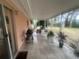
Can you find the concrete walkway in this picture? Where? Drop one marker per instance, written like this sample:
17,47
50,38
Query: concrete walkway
43,48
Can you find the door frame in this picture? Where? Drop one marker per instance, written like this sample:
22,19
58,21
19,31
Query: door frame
6,30
12,29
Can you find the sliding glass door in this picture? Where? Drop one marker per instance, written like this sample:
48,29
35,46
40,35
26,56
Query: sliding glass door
5,48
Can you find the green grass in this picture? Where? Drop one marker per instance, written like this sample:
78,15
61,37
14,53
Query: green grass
72,33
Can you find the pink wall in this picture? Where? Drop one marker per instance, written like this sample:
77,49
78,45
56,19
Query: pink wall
21,26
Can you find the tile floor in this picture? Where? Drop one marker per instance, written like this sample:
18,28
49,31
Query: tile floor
43,48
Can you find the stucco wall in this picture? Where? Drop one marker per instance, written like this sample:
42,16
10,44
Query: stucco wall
21,27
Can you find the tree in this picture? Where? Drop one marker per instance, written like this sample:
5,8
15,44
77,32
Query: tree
43,23
67,21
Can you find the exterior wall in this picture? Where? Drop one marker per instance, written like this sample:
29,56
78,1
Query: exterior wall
21,22
21,26
10,27
18,24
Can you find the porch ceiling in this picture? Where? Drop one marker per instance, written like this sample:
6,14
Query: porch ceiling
8,4
43,9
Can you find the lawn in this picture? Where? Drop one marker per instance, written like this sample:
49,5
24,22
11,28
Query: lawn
72,33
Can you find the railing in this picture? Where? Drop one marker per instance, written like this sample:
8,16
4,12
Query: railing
72,43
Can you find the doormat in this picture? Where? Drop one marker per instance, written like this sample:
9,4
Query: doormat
22,55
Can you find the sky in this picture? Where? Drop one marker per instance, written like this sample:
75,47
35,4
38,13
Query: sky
77,17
